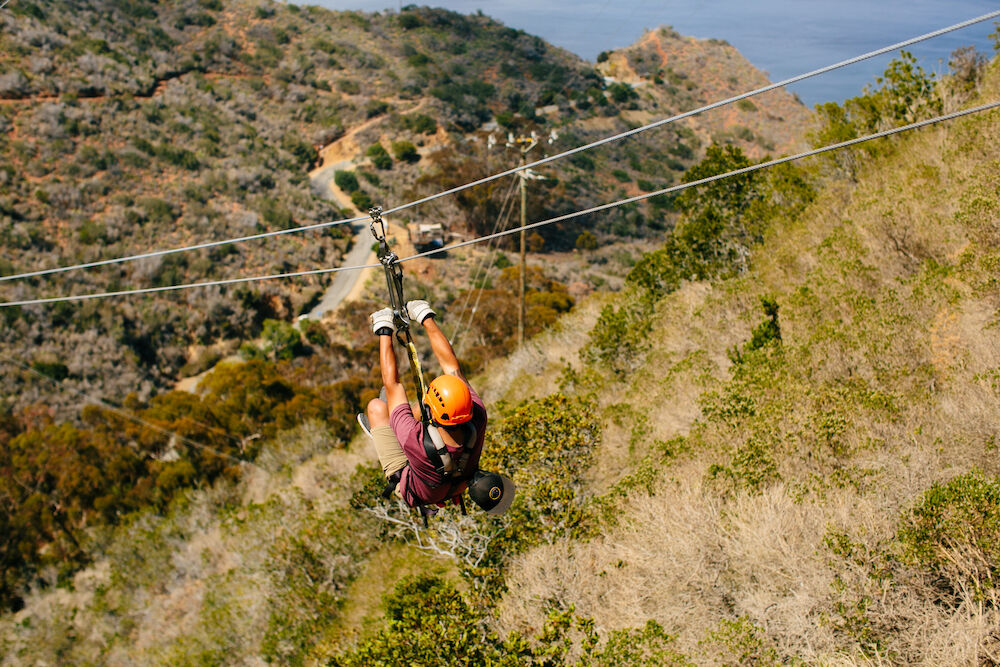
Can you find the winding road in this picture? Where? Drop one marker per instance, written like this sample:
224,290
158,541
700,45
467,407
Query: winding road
340,155
344,282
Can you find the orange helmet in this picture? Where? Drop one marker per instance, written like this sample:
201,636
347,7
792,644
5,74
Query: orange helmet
449,399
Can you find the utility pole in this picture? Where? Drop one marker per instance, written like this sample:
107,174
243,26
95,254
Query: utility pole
525,144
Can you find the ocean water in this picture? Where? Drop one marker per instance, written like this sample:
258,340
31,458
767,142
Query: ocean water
782,37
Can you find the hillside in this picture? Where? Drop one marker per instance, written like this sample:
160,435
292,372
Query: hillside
130,125
776,445
680,73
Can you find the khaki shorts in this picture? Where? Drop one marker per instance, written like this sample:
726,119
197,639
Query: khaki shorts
390,453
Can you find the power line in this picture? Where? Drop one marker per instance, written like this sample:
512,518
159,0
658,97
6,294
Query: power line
545,160
482,276
710,179
160,253
709,107
567,216
170,288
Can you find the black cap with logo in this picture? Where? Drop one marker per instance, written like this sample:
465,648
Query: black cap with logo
492,492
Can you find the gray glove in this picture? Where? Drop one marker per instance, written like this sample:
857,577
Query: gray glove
383,319
419,310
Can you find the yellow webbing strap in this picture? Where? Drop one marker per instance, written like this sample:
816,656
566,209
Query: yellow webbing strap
415,365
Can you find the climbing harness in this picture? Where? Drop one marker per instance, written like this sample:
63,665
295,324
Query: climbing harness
451,471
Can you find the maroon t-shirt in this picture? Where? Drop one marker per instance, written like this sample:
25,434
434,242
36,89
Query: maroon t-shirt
419,476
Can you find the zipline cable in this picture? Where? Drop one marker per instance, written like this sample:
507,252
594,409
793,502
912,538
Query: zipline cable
560,218
717,177
209,283
545,160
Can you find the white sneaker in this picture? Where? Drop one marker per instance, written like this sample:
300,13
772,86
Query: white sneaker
363,422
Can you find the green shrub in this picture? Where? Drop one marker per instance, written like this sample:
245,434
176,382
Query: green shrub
766,333
282,338
52,369
250,352
346,181
429,622
621,175
304,152
409,21
157,211
419,123
201,19
380,157
180,157
752,467
315,333
362,200
276,215
904,94
620,333
743,642
663,270
722,220
91,232
582,161
507,119
954,532
376,108
405,151
586,241
418,59
622,92
348,86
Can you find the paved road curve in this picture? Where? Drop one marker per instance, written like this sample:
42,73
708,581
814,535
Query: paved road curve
360,252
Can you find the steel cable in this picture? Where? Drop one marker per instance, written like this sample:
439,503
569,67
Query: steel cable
545,160
560,218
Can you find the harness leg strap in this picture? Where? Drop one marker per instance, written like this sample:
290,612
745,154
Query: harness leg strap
392,482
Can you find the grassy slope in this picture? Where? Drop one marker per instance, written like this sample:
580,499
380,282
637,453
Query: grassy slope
881,388
681,73
888,312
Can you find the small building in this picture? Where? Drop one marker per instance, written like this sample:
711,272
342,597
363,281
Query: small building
426,235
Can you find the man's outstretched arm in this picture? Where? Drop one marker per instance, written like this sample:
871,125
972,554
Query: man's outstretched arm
383,327
421,311
441,347
395,393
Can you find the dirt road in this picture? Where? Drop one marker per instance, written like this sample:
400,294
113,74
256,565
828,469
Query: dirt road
360,253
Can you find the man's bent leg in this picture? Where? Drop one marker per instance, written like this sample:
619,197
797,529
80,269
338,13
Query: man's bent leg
390,454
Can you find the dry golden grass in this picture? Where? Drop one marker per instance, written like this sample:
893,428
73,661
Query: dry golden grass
534,369
877,311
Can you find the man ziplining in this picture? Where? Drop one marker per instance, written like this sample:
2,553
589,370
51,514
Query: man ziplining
430,454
